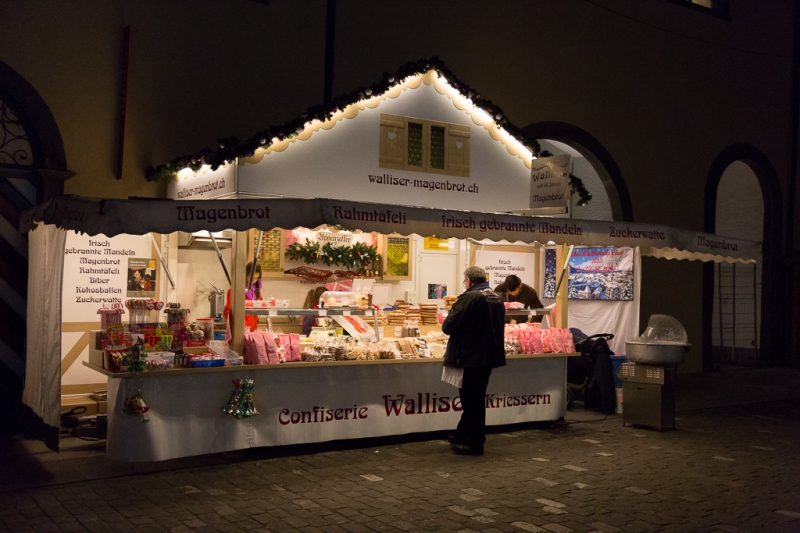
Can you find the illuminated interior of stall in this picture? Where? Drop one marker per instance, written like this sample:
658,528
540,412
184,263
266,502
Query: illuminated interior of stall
423,256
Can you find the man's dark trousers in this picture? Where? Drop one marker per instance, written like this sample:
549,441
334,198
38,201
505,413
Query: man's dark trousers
472,426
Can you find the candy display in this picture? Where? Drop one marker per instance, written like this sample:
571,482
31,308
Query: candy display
195,334
156,336
334,349
160,361
512,346
345,349
110,316
207,325
531,338
136,357
176,314
140,309
240,405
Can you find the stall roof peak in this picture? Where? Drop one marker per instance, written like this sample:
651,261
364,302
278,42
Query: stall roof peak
231,148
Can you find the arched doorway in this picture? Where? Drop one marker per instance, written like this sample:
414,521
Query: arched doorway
599,208
731,206
595,158
32,169
735,328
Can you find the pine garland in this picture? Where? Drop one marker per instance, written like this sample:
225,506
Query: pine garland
359,255
231,148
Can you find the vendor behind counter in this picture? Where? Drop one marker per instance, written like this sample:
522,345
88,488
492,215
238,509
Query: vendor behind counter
517,291
312,302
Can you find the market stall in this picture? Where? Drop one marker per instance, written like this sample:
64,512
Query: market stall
419,138
194,397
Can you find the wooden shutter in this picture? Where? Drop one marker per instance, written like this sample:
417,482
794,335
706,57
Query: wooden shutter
457,150
393,142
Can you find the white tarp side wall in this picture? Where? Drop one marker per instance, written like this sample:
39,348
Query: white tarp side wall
42,391
604,316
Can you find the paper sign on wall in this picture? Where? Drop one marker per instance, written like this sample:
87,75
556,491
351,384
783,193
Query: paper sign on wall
437,245
499,264
141,278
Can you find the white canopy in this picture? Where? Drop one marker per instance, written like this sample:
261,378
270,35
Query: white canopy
140,216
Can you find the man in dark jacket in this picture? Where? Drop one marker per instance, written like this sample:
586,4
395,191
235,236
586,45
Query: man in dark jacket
520,292
475,326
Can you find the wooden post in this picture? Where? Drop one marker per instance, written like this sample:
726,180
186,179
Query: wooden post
238,283
561,314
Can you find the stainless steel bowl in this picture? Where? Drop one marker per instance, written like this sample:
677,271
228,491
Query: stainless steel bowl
324,321
656,354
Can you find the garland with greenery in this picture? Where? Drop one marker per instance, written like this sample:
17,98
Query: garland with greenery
231,148
311,253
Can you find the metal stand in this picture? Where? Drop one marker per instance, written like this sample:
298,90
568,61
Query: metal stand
648,393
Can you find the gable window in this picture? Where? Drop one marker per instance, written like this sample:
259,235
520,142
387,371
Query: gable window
420,145
718,8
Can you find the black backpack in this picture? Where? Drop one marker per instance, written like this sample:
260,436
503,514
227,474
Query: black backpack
596,362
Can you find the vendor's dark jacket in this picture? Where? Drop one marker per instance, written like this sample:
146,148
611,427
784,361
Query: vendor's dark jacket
527,296
475,326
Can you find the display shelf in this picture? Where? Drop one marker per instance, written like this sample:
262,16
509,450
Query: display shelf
175,372
343,311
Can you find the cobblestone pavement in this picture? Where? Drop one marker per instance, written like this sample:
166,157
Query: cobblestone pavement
724,469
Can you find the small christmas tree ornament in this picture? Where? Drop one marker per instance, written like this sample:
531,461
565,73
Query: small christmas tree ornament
240,405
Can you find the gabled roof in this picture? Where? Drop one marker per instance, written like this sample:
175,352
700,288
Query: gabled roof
232,148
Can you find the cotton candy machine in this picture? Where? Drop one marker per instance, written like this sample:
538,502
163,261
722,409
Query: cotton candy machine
664,342
649,378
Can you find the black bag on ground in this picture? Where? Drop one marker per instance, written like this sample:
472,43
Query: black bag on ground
596,358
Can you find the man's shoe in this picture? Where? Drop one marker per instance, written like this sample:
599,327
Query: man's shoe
463,449
455,439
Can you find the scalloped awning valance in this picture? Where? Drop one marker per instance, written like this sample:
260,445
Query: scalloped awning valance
140,216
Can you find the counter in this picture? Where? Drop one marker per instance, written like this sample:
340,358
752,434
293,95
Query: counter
316,402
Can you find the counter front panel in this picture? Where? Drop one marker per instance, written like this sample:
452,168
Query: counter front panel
320,403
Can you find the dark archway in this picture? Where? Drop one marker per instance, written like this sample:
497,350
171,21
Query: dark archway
33,168
596,154
772,297
49,169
